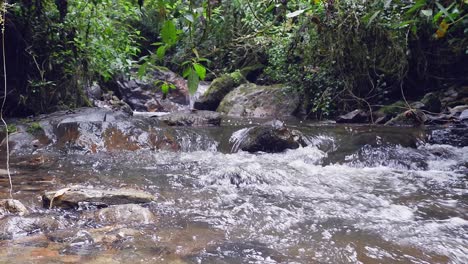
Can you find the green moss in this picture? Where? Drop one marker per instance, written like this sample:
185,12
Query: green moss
34,128
394,109
10,129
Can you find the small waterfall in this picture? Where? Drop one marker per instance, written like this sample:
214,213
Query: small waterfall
238,137
202,88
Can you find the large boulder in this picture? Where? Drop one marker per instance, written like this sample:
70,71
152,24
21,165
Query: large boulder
251,100
218,89
192,118
125,213
74,197
267,138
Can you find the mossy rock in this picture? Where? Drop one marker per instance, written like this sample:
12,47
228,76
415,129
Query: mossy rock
251,100
394,109
219,88
431,102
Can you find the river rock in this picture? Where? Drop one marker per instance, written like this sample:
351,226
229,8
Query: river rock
464,115
218,89
267,139
408,118
356,116
125,213
431,103
18,226
192,118
73,197
11,206
251,100
139,93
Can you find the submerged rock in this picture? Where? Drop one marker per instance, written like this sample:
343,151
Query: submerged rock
11,206
126,213
18,226
455,135
356,116
193,118
73,197
218,89
267,139
251,100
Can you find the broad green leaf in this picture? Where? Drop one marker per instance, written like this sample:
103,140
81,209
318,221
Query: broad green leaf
186,72
169,33
165,88
201,70
193,81
161,52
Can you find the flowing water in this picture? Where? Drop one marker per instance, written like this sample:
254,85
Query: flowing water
356,194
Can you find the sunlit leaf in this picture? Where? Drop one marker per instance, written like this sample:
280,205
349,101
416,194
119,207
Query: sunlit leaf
201,70
165,88
161,52
193,81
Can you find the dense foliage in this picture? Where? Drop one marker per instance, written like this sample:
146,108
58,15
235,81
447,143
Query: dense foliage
338,54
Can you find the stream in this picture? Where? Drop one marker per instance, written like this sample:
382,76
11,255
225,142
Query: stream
355,194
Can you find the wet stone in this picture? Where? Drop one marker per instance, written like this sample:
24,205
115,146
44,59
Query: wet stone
127,213
17,226
75,197
356,116
11,206
267,139
194,118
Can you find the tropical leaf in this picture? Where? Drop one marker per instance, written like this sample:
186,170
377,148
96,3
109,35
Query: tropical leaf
193,81
161,52
201,70
169,33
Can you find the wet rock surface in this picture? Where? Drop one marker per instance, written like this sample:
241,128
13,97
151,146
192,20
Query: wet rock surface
267,138
250,100
73,197
11,206
192,118
18,226
130,214
356,116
